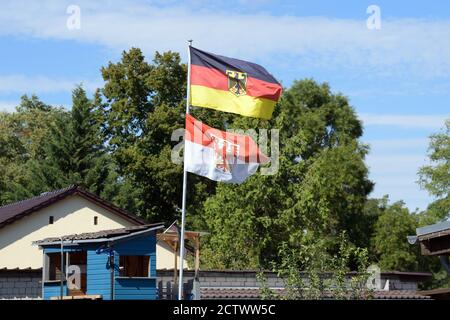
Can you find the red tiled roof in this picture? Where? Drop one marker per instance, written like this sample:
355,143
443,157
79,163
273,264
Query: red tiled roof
400,294
232,293
254,293
14,211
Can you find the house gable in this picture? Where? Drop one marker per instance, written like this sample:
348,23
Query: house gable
73,214
15,211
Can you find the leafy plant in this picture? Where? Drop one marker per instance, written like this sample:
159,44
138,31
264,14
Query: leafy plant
310,272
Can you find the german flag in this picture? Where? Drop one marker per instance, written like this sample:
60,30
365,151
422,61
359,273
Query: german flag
232,85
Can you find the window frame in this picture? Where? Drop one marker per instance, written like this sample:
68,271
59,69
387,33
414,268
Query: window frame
47,267
122,266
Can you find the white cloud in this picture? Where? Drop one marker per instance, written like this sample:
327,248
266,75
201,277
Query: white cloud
389,145
402,45
406,121
395,173
8,106
407,191
393,165
403,88
396,162
42,84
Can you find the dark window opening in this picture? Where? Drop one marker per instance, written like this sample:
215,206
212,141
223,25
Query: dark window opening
95,220
50,220
134,266
53,267
77,263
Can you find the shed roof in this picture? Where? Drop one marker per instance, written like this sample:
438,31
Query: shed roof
17,210
434,228
101,235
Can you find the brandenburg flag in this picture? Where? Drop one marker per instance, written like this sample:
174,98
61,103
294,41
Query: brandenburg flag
219,155
232,85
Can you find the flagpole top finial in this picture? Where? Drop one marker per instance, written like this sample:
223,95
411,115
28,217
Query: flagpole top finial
190,42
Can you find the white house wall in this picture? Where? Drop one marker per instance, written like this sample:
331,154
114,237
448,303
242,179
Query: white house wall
72,215
165,258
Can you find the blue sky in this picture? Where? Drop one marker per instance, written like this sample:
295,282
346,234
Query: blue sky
397,77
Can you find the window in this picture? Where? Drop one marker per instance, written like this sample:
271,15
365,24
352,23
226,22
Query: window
76,273
75,267
134,266
50,220
95,220
53,266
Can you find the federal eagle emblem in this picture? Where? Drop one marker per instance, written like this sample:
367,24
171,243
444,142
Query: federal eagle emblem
225,154
237,82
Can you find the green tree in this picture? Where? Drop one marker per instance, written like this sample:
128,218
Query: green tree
32,122
320,188
74,153
144,104
364,229
435,178
23,134
389,241
12,155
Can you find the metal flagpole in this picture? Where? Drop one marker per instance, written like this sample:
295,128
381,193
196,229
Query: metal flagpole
183,204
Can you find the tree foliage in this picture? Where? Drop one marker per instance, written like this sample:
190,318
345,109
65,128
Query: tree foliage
73,152
435,178
23,135
320,188
393,226
144,103
311,272
50,148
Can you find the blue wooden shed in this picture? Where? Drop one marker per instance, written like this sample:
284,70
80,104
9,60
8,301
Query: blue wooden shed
118,264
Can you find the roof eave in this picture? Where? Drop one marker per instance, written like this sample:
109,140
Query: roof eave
98,240
76,190
433,228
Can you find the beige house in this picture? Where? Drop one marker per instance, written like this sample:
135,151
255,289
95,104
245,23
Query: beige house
67,211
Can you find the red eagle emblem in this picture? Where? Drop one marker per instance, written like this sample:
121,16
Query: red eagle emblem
225,153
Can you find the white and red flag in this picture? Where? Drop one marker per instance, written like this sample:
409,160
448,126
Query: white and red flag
220,155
